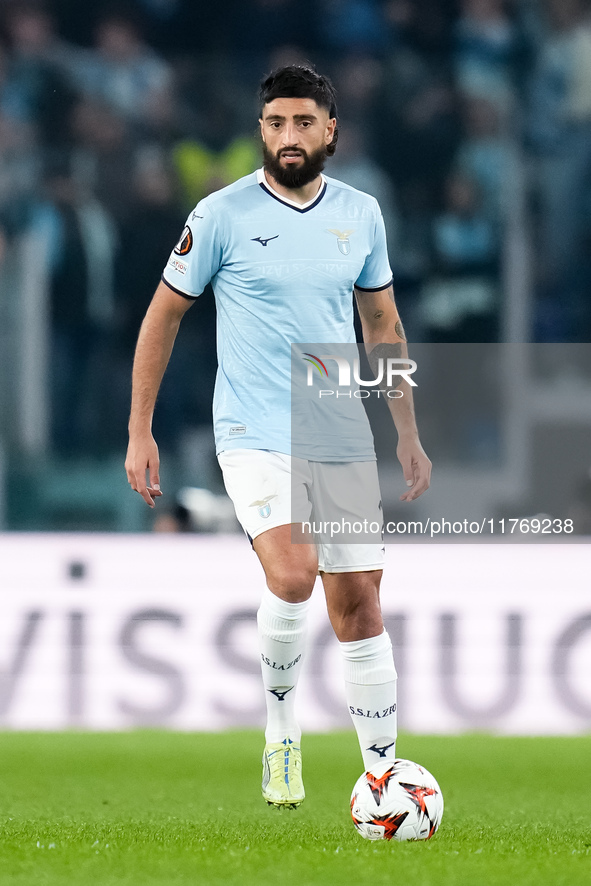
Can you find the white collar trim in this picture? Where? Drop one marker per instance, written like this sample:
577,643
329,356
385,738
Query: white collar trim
262,180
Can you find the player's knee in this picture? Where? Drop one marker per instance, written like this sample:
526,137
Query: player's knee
293,584
356,619
356,610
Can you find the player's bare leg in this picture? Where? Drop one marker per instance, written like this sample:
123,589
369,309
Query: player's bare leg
353,602
290,571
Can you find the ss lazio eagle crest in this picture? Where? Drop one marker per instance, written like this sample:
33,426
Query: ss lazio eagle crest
263,506
342,240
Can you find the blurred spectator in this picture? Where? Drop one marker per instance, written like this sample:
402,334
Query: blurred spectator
202,171
220,141
459,303
560,92
484,155
186,25
353,26
152,104
3,245
425,26
81,253
359,78
103,155
560,134
252,31
151,229
20,162
123,72
216,102
486,48
287,54
417,124
220,151
37,88
464,238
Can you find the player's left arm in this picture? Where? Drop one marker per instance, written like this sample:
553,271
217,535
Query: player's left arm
383,336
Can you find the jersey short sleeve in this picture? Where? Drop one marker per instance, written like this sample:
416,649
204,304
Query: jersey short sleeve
197,256
376,273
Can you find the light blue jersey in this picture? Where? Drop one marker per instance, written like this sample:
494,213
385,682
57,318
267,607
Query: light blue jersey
282,273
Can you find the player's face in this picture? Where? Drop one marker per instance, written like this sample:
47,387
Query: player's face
295,133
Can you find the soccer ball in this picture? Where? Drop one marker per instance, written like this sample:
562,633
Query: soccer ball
397,800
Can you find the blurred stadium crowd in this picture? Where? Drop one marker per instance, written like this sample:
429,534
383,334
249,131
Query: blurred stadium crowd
116,119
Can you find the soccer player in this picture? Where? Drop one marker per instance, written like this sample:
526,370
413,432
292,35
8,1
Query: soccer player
284,248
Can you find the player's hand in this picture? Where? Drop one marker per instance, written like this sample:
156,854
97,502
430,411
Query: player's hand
142,457
416,466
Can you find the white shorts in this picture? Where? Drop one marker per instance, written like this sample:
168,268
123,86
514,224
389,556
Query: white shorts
339,504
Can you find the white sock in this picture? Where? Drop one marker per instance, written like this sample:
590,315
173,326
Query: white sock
282,633
370,690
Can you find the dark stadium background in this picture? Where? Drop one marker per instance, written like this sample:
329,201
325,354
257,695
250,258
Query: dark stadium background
470,121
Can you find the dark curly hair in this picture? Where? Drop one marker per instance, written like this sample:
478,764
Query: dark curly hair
301,81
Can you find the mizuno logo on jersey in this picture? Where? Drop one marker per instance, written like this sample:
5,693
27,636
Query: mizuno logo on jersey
264,240
342,240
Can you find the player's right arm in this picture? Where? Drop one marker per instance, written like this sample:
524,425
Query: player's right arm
153,350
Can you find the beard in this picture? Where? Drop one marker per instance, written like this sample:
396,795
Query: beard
292,176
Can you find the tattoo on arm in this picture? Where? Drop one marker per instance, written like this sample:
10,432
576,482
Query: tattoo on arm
400,330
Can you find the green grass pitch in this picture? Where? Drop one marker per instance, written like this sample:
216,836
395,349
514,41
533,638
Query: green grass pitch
162,808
